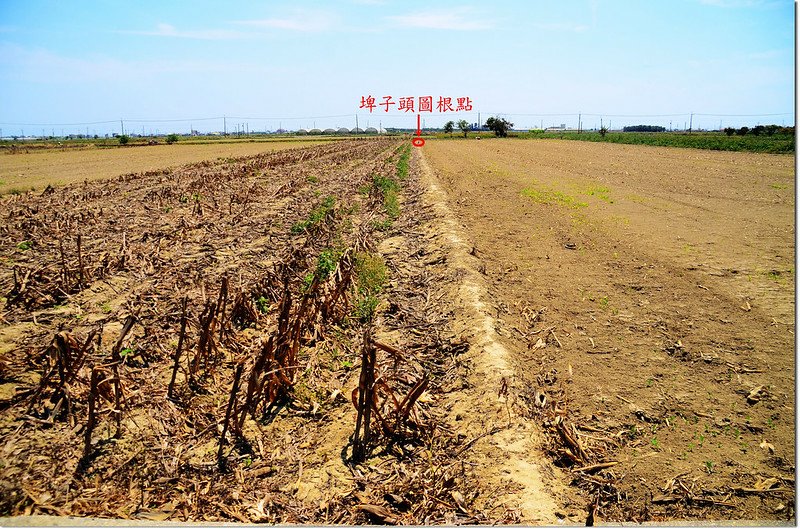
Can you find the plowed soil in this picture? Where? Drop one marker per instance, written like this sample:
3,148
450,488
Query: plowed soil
22,170
647,297
557,333
133,307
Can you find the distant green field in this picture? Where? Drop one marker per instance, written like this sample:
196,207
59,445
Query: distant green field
715,141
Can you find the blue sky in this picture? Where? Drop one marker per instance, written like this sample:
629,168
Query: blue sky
298,61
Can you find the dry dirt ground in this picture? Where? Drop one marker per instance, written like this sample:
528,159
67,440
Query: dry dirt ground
131,304
562,333
22,171
647,297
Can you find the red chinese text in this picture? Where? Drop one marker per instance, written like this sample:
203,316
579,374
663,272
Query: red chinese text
421,103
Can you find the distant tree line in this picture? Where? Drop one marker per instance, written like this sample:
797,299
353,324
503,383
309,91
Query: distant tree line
758,130
643,128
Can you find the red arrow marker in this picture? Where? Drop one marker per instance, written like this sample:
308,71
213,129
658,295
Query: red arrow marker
418,142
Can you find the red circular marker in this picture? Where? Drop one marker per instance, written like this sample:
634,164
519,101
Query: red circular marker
418,142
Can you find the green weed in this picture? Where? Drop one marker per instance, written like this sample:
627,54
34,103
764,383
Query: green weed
370,278
327,262
402,163
388,188
548,196
600,192
262,305
382,225
775,275
25,245
316,216
384,183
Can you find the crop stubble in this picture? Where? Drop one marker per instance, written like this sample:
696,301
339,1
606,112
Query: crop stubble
622,312
182,344
21,170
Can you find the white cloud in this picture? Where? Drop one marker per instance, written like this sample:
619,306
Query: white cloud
460,19
559,26
43,66
307,21
168,30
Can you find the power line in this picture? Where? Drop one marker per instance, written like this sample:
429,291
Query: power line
744,115
303,117
60,124
391,114
172,120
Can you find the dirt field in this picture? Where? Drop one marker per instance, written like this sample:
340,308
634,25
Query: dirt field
536,331
35,170
193,344
647,294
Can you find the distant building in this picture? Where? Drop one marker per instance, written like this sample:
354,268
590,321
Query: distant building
560,128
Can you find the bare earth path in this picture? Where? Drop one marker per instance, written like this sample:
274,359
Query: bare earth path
648,297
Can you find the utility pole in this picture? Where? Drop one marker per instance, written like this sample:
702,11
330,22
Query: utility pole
691,117
315,123
479,121
579,122
122,126
224,127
